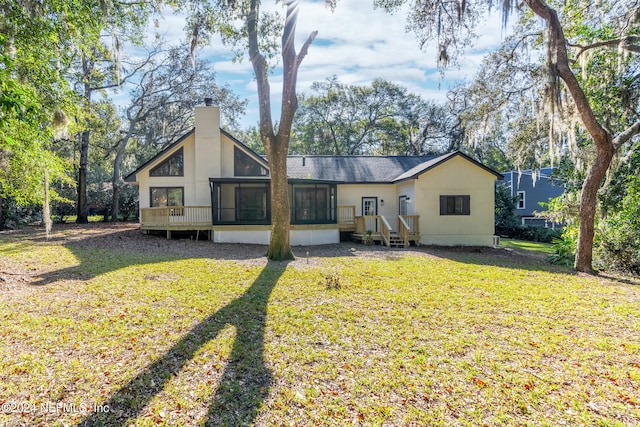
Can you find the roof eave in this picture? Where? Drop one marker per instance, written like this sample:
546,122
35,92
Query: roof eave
132,176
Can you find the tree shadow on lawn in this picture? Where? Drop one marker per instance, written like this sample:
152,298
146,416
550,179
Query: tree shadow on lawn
516,259
103,248
496,257
245,381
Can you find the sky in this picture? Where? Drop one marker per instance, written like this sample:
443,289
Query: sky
355,42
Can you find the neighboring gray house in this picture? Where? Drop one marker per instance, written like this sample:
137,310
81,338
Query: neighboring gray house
530,190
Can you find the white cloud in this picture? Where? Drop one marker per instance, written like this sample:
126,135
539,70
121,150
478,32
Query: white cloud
355,42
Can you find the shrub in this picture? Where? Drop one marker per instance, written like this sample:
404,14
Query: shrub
619,234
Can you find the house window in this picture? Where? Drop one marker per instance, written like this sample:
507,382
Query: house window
173,166
310,204
455,205
402,205
167,196
243,165
313,204
252,204
520,199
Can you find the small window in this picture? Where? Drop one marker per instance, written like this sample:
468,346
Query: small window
521,200
167,196
243,165
173,166
455,205
402,205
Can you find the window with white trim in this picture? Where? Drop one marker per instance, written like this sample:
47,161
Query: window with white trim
520,199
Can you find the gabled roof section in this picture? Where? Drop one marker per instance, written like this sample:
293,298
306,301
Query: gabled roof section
370,169
132,176
352,169
253,154
428,165
257,157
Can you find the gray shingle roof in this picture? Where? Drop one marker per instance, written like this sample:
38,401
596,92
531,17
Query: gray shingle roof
354,168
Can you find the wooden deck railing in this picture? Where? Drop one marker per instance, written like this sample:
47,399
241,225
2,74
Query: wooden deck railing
347,217
385,231
366,223
403,230
413,225
176,216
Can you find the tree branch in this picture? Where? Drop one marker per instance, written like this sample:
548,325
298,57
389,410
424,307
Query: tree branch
558,45
628,43
626,135
260,69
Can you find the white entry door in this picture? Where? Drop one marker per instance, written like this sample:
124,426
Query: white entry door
369,206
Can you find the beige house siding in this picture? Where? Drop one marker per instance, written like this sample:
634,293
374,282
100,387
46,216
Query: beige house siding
205,141
408,189
457,176
352,194
187,181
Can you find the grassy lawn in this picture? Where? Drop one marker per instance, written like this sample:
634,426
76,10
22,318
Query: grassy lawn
406,338
536,247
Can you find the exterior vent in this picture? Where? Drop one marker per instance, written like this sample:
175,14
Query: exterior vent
208,102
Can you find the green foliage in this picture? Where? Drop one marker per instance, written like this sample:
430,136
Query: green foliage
382,118
507,222
619,243
505,209
563,251
16,215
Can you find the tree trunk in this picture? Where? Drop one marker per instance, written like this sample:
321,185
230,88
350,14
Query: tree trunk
81,209
279,245
116,178
115,202
277,146
46,205
601,137
588,204
1,213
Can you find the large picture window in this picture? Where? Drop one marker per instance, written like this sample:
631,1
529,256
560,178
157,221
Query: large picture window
167,196
243,165
173,166
455,205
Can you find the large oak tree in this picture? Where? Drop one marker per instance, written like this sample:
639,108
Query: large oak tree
256,37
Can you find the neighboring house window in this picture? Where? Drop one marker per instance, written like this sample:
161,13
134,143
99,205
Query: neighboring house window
402,205
167,196
252,204
243,165
455,205
521,200
173,166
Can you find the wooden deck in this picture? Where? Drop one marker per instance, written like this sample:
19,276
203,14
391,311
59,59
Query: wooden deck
365,229
347,218
376,228
176,218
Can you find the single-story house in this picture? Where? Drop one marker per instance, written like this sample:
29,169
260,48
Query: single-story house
530,188
208,180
